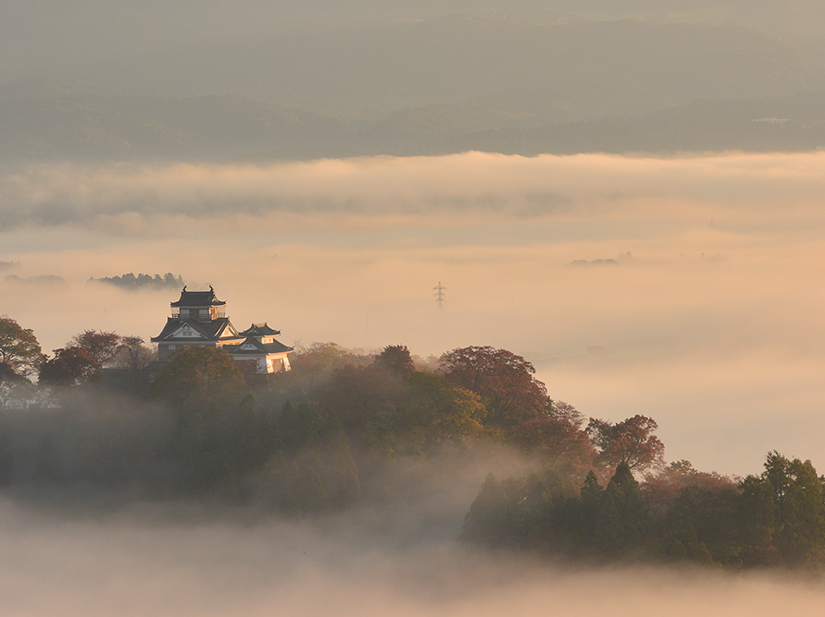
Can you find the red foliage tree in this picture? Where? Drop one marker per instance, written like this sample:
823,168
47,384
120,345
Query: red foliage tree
100,346
70,366
631,441
502,379
558,437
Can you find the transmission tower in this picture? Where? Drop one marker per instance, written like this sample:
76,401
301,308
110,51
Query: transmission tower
439,294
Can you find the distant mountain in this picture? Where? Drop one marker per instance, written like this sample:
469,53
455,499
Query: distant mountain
59,120
554,72
42,35
141,281
45,124
789,124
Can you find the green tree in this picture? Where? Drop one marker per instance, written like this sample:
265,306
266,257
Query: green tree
799,509
757,522
397,360
13,386
219,433
200,376
622,520
427,411
6,451
445,411
490,519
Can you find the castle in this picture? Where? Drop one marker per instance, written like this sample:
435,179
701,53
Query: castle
199,318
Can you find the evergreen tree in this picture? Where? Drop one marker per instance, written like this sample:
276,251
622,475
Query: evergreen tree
490,519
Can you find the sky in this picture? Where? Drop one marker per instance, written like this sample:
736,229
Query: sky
708,318
685,287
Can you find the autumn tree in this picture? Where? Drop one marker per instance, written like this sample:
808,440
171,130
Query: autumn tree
502,379
558,436
98,345
19,349
630,441
132,354
71,366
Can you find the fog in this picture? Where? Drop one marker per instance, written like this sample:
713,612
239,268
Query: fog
146,560
708,317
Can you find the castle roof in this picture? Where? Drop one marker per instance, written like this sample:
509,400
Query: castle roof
253,347
260,329
177,329
198,299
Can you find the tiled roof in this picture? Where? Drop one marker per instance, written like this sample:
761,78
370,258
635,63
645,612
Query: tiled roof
198,298
214,330
260,329
259,348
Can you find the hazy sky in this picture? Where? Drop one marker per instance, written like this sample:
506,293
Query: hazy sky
712,325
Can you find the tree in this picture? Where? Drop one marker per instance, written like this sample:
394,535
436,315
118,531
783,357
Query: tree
428,412
13,385
558,437
490,519
799,509
313,366
70,366
631,442
198,375
19,348
132,354
622,518
502,379
6,452
100,346
397,360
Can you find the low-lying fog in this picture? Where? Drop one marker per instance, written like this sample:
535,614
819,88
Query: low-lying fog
145,561
708,318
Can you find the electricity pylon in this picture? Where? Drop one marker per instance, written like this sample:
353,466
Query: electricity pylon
439,294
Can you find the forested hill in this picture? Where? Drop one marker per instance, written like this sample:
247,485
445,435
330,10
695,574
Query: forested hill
56,125
429,86
555,72
342,429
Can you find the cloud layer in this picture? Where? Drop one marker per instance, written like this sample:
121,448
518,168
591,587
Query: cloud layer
712,324
465,184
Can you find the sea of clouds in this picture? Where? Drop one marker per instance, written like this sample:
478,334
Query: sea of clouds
689,289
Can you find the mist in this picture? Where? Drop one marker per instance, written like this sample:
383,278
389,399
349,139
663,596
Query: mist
146,559
682,288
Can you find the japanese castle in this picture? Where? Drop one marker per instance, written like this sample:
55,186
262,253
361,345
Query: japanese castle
199,318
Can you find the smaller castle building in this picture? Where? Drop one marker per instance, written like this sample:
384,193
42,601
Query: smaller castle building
199,318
